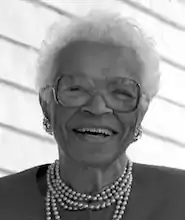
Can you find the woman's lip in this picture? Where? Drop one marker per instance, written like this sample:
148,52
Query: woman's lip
94,138
96,127
96,130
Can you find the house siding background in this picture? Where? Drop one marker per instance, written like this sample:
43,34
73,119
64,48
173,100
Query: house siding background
23,24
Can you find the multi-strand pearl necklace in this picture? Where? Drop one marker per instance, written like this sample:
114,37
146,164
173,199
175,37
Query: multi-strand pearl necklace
59,193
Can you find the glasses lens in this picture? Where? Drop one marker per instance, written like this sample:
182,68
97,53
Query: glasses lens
124,95
72,91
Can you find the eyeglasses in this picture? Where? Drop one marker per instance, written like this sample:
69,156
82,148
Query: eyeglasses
119,94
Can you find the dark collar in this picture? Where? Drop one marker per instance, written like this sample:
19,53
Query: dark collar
41,179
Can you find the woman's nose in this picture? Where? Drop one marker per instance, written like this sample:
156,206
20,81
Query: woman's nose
97,106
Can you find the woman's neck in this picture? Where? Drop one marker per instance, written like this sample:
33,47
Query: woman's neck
90,180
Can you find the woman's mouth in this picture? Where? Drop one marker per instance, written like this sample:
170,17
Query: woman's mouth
95,134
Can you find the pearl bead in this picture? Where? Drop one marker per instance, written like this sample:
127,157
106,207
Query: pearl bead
89,197
59,200
114,216
123,207
112,187
109,203
91,206
78,194
108,190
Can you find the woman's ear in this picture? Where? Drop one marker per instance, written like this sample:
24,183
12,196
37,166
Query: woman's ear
45,106
143,108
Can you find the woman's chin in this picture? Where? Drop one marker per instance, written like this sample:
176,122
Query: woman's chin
90,160
91,149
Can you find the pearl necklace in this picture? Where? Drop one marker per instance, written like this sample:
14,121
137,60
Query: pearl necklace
59,193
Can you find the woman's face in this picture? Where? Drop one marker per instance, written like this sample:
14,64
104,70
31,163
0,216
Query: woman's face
87,127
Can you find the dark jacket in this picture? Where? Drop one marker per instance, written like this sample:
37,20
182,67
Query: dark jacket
158,193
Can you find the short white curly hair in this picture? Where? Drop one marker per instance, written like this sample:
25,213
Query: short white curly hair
99,26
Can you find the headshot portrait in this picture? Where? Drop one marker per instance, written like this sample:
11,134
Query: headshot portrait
95,80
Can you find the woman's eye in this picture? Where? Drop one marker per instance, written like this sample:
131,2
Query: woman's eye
123,93
75,89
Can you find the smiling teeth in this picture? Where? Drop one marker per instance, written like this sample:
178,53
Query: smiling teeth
96,130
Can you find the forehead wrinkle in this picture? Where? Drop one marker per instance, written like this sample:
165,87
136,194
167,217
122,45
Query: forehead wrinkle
98,49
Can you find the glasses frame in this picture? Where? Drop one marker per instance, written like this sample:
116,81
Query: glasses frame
54,88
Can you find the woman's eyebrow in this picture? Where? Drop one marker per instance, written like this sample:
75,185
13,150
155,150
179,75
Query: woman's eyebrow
75,73
114,80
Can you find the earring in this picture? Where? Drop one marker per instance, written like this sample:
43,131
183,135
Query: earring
47,126
138,133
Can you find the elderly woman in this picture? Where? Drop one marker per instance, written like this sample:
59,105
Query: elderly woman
95,79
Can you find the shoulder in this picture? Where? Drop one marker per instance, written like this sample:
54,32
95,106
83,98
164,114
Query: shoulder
165,175
19,192
20,181
160,191
166,178
166,186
